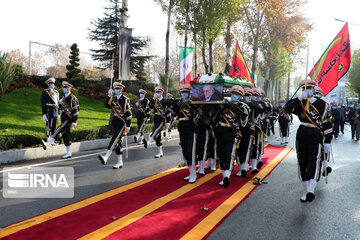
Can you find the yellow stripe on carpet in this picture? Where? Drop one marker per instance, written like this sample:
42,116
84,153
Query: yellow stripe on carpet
208,223
141,212
75,206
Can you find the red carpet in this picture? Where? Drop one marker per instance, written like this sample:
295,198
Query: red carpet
164,208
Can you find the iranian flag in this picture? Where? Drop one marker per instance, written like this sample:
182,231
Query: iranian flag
186,56
239,68
334,62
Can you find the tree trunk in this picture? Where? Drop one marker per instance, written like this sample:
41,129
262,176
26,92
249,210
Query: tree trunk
210,55
267,80
228,39
254,59
167,48
288,87
187,21
206,67
195,55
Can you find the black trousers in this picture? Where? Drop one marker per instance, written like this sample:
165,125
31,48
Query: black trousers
63,131
336,125
141,122
244,151
284,127
226,147
342,125
188,136
204,135
258,144
309,145
159,123
51,125
118,127
271,126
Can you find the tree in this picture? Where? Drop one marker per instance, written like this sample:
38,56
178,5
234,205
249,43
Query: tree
106,32
73,71
168,8
7,71
354,73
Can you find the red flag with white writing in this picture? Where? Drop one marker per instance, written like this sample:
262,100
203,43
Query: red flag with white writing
239,68
334,62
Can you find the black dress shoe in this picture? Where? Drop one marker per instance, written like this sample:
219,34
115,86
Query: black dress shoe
254,171
101,158
328,170
145,143
259,164
310,196
226,182
243,173
135,139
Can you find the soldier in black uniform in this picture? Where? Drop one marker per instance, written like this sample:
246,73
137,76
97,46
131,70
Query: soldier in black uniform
248,131
187,127
272,119
120,106
258,143
284,119
171,116
50,107
228,132
160,106
318,93
142,115
313,135
69,105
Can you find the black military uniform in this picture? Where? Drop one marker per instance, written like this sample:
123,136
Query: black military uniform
69,106
246,143
228,135
121,122
50,107
142,115
187,127
284,119
315,129
161,109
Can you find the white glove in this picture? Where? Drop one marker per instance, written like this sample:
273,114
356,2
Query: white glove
267,120
45,119
303,95
127,129
137,104
327,147
147,120
73,124
110,92
61,101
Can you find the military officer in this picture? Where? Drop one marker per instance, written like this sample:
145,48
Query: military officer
284,122
228,132
142,115
161,109
120,106
314,134
50,107
69,105
171,116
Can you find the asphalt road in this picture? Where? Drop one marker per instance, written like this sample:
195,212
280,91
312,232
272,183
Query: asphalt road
273,211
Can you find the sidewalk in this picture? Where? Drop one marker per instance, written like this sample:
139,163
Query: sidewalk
58,150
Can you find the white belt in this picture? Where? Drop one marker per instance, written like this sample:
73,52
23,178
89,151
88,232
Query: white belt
308,124
183,118
224,124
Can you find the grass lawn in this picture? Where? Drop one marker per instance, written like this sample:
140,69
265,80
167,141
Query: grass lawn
20,112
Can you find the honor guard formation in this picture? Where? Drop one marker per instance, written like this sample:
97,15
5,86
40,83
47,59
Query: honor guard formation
221,121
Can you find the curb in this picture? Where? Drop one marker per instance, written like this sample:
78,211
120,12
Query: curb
57,150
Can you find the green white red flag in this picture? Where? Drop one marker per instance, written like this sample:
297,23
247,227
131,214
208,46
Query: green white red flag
239,68
186,56
334,62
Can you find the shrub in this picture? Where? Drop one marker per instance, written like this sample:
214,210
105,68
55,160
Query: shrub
7,72
100,87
